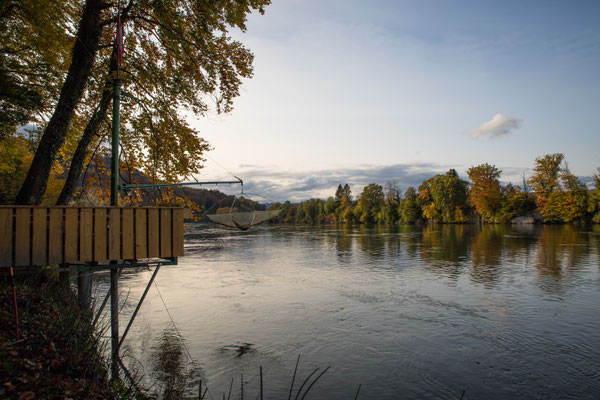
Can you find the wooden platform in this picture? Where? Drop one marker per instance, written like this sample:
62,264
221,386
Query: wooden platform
55,235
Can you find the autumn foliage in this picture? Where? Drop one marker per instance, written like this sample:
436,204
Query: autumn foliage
558,196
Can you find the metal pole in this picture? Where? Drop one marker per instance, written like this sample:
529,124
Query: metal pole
114,201
114,170
114,323
139,304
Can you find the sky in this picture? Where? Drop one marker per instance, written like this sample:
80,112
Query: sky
359,92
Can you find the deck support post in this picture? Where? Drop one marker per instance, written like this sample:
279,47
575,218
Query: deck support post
114,323
84,287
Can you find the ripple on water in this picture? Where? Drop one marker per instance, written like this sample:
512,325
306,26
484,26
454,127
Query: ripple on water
496,311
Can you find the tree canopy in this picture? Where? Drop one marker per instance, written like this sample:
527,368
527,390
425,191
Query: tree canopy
179,60
446,198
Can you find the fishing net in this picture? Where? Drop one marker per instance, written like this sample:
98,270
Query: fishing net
243,220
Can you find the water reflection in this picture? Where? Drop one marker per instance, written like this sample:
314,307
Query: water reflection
482,252
174,376
343,243
486,254
372,241
411,238
559,256
445,248
446,308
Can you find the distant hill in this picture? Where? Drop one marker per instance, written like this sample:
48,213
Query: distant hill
212,199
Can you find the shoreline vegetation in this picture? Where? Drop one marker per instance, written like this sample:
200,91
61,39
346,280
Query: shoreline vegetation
551,195
55,353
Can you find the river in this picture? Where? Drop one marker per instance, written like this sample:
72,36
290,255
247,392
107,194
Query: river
490,312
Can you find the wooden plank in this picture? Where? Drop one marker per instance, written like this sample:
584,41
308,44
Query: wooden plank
100,223
114,234
40,236
127,234
22,236
6,233
153,233
141,247
165,233
178,215
55,227
71,234
85,234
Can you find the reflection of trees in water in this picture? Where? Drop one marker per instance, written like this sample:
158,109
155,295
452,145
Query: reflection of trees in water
595,241
519,241
170,366
486,253
372,241
559,254
343,243
559,250
445,248
411,237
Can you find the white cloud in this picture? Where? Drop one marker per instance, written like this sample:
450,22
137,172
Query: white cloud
499,125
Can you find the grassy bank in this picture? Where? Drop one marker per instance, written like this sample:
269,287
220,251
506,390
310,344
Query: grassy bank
56,354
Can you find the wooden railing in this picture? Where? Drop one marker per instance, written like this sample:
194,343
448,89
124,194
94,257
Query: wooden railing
56,235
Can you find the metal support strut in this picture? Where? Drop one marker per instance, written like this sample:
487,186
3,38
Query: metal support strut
114,201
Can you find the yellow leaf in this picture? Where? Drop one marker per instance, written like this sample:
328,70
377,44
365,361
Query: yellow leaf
27,396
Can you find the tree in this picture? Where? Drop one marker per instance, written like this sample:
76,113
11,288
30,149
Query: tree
448,195
409,210
485,194
545,178
339,192
32,65
82,60
15,158
177,53
568,204
330,206
560,195
392,193
371,201
310,212
425,201
344,212
346,192
594,199
388,214
514,201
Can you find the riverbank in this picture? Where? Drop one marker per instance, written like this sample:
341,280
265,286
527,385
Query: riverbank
56,354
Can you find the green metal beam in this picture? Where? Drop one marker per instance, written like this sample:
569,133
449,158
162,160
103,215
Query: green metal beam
114,171
157,185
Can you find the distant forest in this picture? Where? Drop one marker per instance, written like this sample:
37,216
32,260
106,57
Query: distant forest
551,195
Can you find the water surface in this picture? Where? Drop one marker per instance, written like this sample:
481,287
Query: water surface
410,312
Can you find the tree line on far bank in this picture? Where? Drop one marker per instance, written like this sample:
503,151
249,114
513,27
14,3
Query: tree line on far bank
552,195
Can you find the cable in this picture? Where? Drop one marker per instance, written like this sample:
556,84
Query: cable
215,161
172,321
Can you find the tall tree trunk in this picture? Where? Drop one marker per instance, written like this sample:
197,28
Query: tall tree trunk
83,56
91,129
82,147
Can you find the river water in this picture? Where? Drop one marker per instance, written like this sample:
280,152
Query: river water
491,312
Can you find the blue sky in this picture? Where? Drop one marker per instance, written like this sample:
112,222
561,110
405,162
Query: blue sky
360,92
